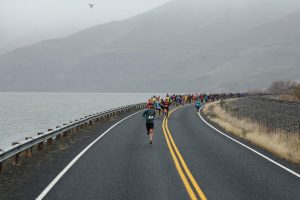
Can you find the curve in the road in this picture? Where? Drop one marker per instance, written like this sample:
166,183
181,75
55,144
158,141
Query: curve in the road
125,166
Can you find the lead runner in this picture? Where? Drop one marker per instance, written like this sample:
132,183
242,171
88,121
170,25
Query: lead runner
149,114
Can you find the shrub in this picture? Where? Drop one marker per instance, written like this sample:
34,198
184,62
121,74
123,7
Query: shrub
282,87
297,91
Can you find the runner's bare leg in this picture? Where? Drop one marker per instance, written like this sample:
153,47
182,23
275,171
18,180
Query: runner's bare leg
151,134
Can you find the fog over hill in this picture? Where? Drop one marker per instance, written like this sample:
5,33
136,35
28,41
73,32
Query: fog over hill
184,45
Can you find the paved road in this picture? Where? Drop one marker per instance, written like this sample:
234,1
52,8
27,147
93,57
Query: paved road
122,165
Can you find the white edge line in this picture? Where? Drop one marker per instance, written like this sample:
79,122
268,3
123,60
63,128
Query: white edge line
260,154
60,175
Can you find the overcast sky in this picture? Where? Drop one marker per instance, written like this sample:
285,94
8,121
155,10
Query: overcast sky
25,21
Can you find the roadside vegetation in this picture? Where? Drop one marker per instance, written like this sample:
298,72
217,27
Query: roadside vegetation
296,91
286,90
285,144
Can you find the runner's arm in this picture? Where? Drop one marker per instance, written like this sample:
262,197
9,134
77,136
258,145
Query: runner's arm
145,114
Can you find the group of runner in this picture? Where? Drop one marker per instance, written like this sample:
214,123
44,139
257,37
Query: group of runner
156,105
160,107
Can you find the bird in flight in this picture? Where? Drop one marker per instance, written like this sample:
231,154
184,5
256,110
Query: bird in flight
91,5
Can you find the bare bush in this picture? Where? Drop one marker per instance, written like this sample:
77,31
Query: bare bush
282,86
296,91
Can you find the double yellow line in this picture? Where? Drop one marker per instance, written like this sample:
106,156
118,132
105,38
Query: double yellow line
183,170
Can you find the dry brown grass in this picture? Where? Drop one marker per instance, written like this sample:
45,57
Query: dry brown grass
283,144
289,97
293,96
297,91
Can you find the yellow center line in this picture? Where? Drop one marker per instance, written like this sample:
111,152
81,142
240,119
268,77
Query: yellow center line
177,165
183,163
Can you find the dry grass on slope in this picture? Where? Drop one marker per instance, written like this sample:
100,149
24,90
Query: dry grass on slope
282,144
294,96
288,97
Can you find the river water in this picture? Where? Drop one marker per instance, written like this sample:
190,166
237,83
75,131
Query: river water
26,114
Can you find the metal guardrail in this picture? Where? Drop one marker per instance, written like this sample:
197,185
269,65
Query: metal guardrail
52,133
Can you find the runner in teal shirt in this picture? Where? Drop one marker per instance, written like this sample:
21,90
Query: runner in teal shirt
149,115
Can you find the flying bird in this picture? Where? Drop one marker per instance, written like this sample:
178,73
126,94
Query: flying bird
91,5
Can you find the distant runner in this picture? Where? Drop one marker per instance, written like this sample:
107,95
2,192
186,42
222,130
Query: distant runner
166,108
158,106
149,114
198,105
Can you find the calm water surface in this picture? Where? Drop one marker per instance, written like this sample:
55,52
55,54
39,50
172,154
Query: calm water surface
26,114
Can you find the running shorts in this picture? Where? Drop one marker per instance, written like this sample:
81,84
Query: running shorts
149,126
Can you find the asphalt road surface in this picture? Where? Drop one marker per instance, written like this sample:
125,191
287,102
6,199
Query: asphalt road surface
187,160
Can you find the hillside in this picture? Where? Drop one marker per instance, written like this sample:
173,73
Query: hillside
184,45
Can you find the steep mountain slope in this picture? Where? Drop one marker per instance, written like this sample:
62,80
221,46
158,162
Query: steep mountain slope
185,45
270,53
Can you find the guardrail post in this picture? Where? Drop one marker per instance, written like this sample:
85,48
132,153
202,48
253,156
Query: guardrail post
29,152
65,134
40,146
58,137
1,167
16,161
49,141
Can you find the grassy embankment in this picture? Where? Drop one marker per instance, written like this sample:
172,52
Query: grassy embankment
282,144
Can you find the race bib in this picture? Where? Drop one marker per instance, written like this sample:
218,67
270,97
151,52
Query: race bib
150,117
